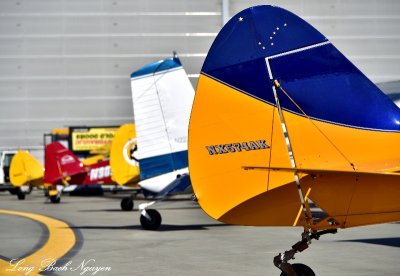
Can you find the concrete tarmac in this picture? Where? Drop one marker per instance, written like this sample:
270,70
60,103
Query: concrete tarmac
109,241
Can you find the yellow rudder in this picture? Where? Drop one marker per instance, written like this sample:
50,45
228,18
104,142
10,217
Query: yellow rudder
236,130
124,166
25,170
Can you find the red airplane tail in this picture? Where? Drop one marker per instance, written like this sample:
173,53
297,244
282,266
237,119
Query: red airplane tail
62,166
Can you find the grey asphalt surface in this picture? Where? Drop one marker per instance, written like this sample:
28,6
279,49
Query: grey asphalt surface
188,242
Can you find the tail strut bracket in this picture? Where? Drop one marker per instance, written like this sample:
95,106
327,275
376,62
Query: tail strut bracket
281,260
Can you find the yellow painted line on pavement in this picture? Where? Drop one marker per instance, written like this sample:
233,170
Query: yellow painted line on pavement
61,239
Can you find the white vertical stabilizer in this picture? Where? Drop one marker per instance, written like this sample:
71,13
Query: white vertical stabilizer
162,98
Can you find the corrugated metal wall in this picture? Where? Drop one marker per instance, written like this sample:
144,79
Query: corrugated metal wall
68,63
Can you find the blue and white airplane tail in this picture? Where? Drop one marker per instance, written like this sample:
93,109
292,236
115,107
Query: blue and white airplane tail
162,99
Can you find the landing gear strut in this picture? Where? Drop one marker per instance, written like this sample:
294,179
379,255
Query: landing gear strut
281,261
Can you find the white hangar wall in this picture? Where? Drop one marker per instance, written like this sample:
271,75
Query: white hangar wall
68,62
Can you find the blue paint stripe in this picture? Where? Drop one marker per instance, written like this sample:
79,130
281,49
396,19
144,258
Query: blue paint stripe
161,164
327,86
156,67
321,80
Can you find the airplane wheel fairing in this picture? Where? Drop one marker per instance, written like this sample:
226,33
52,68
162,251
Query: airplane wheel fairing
127,204
152,224
55,199
21,196
301,270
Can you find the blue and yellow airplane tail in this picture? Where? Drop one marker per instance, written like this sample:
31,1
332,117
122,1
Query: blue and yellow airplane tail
281,116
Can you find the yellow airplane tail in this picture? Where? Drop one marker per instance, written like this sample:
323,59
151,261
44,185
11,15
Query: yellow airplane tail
275,93
124,165
26,170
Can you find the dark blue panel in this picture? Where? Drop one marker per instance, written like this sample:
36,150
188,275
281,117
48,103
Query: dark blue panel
180,159
250,77
158,66
329,87
321,80
157,165
247,36
179,185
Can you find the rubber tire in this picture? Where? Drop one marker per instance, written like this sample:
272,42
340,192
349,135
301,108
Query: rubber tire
301,270
152,224
55,199
127,204
21,196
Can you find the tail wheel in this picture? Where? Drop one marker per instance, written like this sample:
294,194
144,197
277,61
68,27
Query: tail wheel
21,196
153,223
28,192
55,199
127,204
301,270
